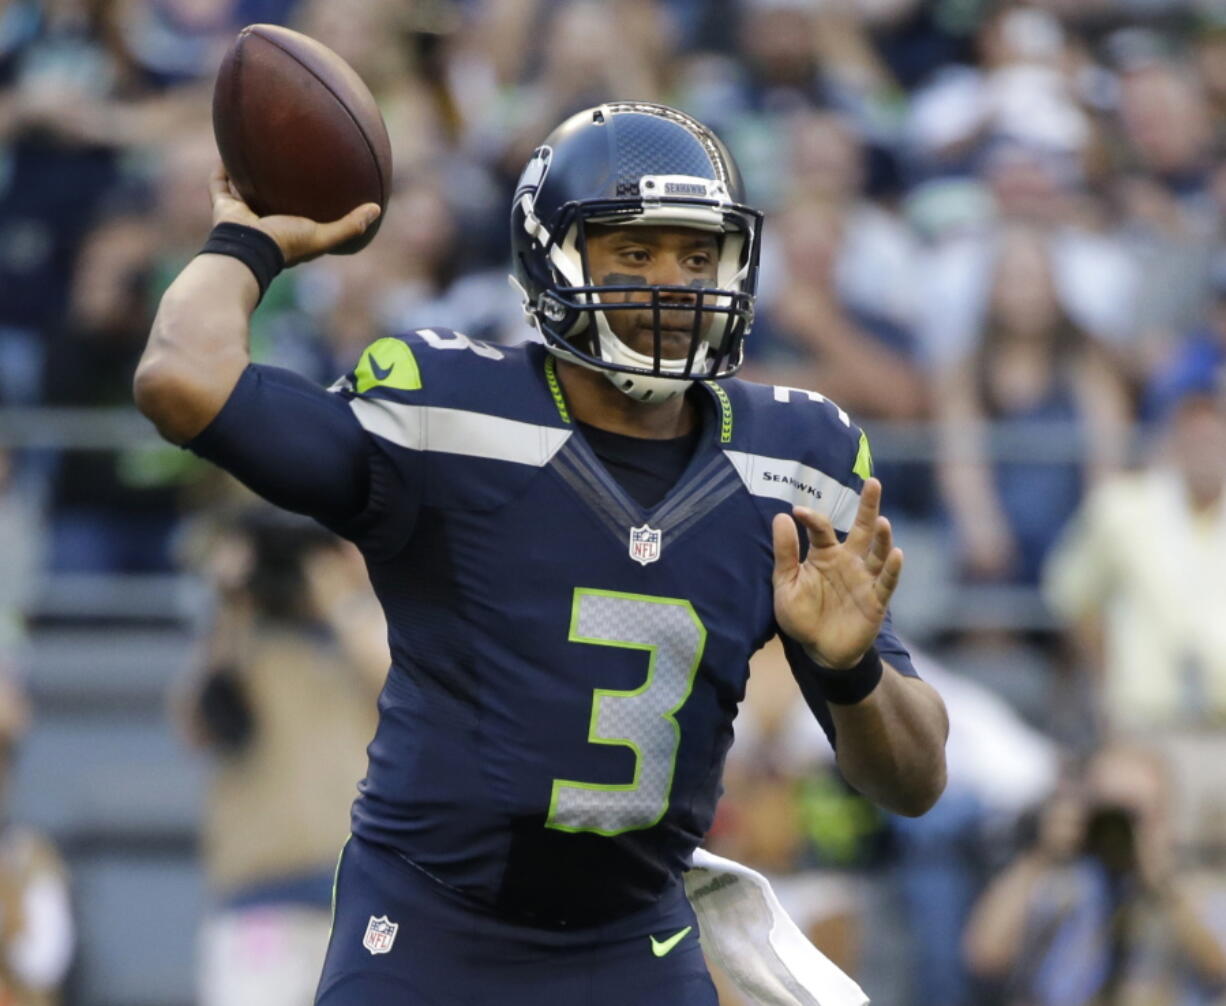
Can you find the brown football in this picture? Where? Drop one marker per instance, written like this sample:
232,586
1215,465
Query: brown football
298,130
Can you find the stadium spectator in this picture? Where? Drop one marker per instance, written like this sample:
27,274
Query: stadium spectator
786,809
1147,615
1162,662
1005,143
358,299
1209,53
54,64
810,338
877,252
791,58
1017,91
1032,366
1094,911
915,39
578,67
21,535
941,859
1169,218
284,705
172,42
111,511
383,41
36,925
839,295
1198,357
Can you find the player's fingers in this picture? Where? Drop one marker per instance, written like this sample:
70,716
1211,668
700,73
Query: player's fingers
787,545
228,205
219,183
821,531
860,537
879,550
347,227
885,584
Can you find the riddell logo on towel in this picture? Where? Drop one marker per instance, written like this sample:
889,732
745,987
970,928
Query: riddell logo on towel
718,884
380,935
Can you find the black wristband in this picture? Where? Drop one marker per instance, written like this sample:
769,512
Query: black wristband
854,684
251,246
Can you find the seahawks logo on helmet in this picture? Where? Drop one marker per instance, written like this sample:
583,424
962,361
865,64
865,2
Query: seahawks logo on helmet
634,163
534,173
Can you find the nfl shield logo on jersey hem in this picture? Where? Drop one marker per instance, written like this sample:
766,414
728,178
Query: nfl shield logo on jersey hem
645,544
380,935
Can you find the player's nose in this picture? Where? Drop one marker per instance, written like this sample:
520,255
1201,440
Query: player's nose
671,271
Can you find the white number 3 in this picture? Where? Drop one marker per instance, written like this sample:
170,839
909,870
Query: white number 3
457,340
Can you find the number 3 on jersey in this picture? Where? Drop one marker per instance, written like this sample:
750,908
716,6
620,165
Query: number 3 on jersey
673,636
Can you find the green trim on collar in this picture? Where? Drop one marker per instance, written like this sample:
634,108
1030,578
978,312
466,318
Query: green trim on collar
725,411
555,388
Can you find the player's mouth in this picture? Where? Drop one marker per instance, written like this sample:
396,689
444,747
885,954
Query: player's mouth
674,340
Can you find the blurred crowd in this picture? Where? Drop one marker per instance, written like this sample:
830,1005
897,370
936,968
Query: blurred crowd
999,223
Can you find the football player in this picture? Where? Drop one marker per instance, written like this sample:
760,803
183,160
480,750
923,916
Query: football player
578,545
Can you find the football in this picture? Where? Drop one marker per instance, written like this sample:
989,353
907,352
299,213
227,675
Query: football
298,131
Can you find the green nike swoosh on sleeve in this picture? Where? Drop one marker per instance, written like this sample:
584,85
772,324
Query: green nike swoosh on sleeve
387,363
662,947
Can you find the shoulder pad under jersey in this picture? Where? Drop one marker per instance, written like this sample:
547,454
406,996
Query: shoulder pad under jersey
798,447
483,418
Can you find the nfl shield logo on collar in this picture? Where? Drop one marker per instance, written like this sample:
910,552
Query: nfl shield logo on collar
380,935
645,544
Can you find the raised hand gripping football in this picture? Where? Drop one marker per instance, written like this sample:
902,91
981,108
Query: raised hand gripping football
833,603
299,238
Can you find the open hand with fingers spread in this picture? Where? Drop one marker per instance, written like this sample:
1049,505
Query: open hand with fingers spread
833,603
299,238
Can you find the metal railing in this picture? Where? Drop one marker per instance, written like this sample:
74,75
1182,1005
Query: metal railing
117,428
99,429
946,603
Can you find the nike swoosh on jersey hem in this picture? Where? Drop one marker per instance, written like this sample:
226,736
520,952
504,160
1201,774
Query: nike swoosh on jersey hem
381,373
662,948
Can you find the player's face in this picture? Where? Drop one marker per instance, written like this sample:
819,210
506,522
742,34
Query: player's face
1199,433
648,256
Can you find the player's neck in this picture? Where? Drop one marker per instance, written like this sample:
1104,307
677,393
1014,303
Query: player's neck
593,400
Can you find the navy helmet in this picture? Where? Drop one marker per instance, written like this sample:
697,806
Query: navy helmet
631,163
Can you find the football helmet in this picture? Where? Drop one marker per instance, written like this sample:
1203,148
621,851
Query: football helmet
628,163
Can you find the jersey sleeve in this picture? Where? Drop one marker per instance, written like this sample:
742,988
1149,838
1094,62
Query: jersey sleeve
301,448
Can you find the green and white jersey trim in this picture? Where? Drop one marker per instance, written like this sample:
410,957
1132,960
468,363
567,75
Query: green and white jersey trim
458,431
797,484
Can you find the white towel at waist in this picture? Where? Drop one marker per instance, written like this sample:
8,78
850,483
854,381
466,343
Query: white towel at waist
747,933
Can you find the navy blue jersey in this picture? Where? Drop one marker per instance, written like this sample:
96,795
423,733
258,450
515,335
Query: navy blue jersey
566,664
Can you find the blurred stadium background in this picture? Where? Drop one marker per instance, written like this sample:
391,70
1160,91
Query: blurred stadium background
996,236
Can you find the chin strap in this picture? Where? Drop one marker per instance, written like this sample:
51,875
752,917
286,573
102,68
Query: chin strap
646,389
640,387
643,387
